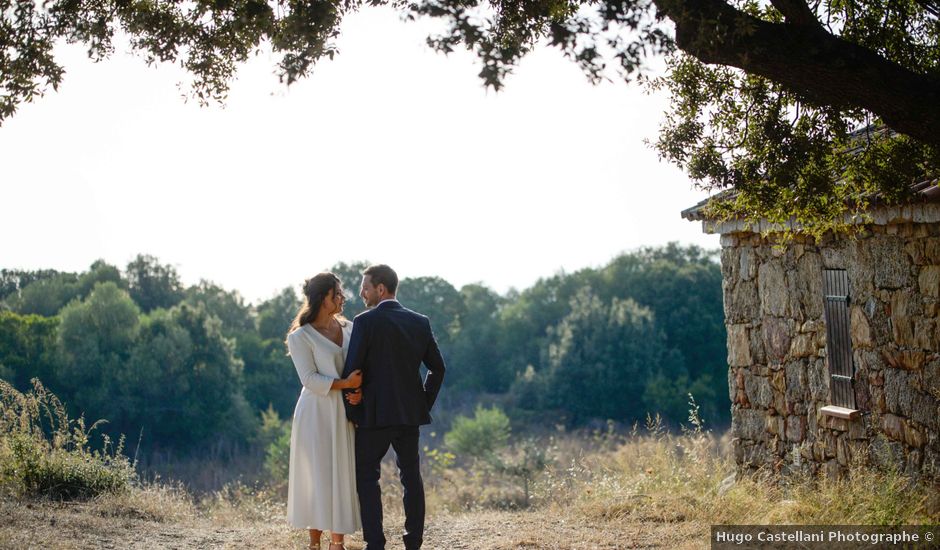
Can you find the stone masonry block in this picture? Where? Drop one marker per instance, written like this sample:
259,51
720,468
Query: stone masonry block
739,346
772,287
891,264
929,281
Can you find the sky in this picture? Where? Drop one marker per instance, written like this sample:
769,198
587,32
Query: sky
389,153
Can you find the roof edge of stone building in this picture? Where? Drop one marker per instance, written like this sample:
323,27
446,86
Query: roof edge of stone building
924,207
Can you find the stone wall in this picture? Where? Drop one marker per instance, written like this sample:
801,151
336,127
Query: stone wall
778,374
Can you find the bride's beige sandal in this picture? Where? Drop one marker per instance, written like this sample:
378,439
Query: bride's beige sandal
342,545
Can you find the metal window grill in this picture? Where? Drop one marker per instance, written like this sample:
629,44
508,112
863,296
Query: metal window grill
838,341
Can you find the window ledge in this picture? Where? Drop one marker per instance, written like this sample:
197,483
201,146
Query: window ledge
840,412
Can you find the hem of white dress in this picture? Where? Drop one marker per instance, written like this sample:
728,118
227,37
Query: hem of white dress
308,527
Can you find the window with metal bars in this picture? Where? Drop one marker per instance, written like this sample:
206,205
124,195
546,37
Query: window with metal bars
839,344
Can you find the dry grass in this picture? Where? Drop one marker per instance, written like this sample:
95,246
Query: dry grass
148,517
676,479
643,491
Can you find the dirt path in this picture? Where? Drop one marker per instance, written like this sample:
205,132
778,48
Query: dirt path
91,525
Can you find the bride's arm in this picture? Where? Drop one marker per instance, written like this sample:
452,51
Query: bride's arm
302,355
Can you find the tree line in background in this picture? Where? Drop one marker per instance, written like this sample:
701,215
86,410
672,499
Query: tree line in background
192,366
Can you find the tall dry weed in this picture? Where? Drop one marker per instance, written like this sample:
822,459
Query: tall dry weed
689,477
45,453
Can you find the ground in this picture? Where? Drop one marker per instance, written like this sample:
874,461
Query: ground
106,525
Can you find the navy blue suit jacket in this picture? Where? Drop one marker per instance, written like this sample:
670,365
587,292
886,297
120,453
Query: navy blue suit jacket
388,344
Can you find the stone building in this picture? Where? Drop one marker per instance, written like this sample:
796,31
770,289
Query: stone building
834,346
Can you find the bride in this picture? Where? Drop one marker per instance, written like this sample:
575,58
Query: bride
321,493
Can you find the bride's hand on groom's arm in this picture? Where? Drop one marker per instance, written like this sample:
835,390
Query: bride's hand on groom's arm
353,381
354,397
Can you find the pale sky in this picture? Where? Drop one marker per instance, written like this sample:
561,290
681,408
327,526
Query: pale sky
391,153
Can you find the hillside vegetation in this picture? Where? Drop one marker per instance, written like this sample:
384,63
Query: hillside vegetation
195,373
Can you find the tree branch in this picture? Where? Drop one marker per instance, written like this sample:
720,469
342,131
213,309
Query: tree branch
825,68
796,12
931,6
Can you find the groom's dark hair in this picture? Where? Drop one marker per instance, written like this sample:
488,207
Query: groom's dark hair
381,274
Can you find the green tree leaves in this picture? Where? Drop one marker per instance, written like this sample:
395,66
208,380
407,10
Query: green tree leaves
436,298
787,154
477,348
153,285
616,342
201,397
27,348
767,98
275,315
95,340
601,357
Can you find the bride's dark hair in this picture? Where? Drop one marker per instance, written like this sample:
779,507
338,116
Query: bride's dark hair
315,291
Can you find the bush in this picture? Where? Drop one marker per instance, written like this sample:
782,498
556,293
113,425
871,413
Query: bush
274,437
505,473
44,453
481,435
523,464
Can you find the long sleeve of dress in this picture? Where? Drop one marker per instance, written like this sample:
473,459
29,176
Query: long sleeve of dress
301,353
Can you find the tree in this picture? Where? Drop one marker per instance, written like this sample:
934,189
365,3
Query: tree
228,306
13,280
679,286
96,337
526,319
601,358
766,95
182,382
436,298
270,378
99,272
152,284
350,274
154,382
46,292
682,286
268,375
215,376
27,349
171,372
475,346
275,315
46,296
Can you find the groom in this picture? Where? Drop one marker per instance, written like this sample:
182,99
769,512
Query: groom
388,344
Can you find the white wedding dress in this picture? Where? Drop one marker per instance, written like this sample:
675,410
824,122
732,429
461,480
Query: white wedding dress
321,490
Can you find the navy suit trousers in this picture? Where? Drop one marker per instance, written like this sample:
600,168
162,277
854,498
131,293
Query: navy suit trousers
371,446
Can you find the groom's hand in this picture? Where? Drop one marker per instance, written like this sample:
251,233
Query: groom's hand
354,397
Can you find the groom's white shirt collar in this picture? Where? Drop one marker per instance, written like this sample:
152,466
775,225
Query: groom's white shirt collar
386,300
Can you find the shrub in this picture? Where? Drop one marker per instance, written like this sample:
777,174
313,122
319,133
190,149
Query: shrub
526,461
274,437
481,435
484,438
44,453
